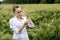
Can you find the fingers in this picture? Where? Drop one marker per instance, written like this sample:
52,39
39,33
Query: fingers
26,22
27,16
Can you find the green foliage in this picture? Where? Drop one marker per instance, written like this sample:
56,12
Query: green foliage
46,19
47,25
31,1
5,36
21,1
57,1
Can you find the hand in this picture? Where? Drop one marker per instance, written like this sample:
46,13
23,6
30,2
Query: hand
28,19
27,16
26,22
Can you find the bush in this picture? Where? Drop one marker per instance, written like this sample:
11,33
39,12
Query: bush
47,25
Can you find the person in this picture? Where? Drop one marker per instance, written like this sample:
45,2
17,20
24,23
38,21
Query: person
19,23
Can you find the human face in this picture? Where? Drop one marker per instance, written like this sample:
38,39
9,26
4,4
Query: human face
18,12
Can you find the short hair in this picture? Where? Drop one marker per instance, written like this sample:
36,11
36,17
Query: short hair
14,8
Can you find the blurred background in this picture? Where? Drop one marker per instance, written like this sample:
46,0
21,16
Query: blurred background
44,13
30,1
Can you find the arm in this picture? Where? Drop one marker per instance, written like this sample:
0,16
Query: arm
30,24
21,28
14,28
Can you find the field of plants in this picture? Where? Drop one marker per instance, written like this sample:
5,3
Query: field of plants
46,18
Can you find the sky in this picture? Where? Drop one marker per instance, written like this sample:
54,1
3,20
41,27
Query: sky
1,0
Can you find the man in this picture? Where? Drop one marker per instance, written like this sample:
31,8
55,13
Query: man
18,24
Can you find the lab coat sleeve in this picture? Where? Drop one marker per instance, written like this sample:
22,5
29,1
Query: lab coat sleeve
31,25
13,27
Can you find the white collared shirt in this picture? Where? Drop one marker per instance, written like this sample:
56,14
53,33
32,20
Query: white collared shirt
15,24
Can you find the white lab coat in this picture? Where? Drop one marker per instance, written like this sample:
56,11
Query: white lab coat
15,24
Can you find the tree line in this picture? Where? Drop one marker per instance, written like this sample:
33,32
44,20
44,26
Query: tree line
31,1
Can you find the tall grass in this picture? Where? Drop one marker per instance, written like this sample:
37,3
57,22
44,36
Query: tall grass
46,18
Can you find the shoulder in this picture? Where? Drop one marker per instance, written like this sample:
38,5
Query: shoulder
11,20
